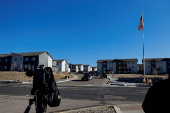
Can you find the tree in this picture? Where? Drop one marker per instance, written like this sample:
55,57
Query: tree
15,65
154,72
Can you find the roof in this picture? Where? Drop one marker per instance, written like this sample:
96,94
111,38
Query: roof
94,67
30,54
5,55
155,59
114,60
61,60
78,64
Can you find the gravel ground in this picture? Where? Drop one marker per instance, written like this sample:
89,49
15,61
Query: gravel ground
104,109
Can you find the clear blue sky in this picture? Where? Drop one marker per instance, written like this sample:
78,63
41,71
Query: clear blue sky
84,31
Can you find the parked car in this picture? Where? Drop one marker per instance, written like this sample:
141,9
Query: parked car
103,75
86,77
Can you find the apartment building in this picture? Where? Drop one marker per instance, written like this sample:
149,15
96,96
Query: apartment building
87,68
117,66
161,64
24,61
5,62
73,68
80,67
94,68
63,65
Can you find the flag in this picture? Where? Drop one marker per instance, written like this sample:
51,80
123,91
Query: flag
141,25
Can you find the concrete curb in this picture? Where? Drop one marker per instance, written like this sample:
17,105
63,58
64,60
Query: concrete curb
117,109
74,78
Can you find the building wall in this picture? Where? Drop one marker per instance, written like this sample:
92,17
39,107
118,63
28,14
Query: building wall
50,60
81,68
99,67
17,62
4,64
133,66
63,66
59,66
54,63
162,65
148,67
43,59
112,66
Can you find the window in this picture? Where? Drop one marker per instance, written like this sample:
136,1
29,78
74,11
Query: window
162,62
152,62
15,59
119,62
112,63
0,60
33,58
128,62
162,66
26,66
32,67
169,62
147,62
5,67
148,66
112,67
152,67
104,68
124,62
133,62
100,67
108,63
26,59
6,60
104,63
120,67
108,68
120,71
124,68
128,67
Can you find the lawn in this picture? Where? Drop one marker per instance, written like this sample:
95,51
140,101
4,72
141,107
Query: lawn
21,76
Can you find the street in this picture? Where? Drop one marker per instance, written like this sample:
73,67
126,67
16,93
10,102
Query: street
75,94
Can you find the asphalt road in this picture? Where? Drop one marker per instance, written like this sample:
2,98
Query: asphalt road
75,94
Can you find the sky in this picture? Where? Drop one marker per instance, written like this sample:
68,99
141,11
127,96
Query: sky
84,31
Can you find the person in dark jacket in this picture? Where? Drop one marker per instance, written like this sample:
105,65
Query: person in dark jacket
158,98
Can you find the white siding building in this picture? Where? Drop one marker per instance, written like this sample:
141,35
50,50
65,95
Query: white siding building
63,65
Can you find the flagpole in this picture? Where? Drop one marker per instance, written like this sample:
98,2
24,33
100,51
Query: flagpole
143,50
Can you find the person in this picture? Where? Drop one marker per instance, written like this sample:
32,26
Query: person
157,98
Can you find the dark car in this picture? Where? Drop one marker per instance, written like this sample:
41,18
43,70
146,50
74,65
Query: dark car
103,75
86,77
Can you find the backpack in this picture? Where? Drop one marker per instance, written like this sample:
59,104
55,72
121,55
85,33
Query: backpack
54,97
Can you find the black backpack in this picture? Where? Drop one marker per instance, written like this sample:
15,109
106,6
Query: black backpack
54,97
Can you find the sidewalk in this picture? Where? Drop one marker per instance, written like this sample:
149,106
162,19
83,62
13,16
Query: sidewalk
129,108
114,82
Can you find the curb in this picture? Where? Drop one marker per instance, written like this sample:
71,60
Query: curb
70,79
117,109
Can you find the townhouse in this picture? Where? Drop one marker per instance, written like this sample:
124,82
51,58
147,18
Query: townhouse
55,68
87,68
94,69
63,65
161,64
80,67
24,61
117,66
73,68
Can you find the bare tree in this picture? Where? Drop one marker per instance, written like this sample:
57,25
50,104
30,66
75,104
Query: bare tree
15,65
11,67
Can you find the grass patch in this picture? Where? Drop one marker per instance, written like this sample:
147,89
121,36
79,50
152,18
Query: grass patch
21,76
